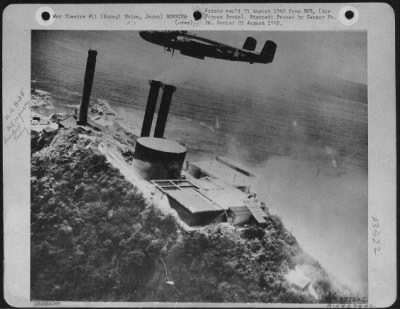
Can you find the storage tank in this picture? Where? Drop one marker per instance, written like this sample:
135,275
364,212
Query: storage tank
164,157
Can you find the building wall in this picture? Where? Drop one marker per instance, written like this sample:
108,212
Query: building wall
240,219
194,219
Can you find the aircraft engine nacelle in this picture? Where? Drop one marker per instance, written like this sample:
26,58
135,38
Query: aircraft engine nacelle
191,53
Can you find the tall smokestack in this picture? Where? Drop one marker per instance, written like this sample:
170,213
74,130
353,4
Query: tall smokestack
168,90
87,86
150,107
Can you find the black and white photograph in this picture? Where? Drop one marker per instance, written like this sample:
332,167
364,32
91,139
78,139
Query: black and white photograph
199,166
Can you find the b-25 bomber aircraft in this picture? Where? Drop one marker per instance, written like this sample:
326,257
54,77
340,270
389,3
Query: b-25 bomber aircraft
195,46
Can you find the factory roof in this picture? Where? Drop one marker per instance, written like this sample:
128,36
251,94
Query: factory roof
187,194
161,144
221,193
227,170
234,165
193,200
209,195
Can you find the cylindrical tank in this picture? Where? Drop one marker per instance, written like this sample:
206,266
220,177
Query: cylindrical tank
163,158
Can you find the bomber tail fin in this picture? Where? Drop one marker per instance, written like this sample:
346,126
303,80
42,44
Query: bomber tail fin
250,44
268,52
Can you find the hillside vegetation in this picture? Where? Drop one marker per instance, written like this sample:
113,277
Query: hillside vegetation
94,237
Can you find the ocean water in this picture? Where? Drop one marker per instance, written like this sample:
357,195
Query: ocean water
302,131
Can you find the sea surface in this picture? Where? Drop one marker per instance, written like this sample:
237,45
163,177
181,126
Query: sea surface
305,134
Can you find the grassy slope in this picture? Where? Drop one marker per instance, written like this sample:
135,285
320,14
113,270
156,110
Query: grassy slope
94,237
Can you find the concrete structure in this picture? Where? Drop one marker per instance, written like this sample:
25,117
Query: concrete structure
205,201
201,198
191,205
225,169
165,157
210,191
150,107
87,87
239,215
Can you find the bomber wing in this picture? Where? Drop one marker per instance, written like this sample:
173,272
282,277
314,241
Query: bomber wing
202,40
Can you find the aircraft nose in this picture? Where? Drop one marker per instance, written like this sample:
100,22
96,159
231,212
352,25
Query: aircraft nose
145,35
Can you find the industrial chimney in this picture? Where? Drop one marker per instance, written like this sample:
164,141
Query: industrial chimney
87,86
168,90
163,157
150,107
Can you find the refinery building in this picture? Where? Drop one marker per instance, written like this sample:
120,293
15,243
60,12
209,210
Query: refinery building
204,192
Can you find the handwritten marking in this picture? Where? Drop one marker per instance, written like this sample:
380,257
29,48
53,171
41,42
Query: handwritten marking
376,235
15,124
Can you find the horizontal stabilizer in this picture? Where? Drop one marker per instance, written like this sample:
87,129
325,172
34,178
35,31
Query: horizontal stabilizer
250,44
